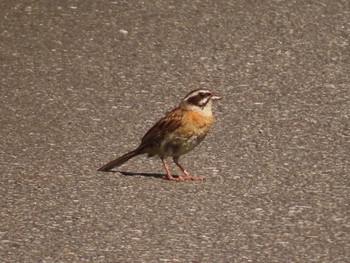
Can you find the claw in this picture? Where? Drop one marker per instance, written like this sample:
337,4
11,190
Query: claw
188,177
198,179
175,179
191,178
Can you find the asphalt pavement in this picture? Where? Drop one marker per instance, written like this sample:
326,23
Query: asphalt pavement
82,81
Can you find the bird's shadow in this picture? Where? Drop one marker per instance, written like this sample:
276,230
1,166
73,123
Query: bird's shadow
155,175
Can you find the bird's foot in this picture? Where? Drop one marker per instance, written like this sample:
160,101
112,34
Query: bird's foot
174,179
196,179
188,177
184,178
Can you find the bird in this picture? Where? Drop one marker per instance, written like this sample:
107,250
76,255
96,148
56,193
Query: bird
176,134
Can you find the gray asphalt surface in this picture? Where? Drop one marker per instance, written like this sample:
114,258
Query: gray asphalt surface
82,81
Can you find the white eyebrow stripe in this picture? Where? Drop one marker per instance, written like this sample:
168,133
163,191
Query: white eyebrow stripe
196,93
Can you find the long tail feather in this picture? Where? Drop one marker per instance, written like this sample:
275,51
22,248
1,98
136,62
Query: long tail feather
119,161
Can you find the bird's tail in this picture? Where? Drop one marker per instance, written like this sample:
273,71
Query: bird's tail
119,161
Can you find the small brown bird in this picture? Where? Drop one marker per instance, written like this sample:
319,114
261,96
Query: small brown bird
177,133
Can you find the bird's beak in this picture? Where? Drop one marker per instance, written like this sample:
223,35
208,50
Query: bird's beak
215,97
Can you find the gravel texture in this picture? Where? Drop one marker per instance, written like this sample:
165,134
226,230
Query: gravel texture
82,81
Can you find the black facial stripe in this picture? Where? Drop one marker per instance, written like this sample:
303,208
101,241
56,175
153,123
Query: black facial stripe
200,99
194,100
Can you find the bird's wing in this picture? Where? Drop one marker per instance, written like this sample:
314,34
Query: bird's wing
169,123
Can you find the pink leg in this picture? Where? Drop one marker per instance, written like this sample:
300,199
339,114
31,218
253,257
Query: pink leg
186,176
168,174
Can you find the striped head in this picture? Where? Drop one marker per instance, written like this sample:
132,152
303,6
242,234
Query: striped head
199,100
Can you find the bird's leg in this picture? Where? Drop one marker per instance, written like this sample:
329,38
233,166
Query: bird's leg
168,174
186,176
